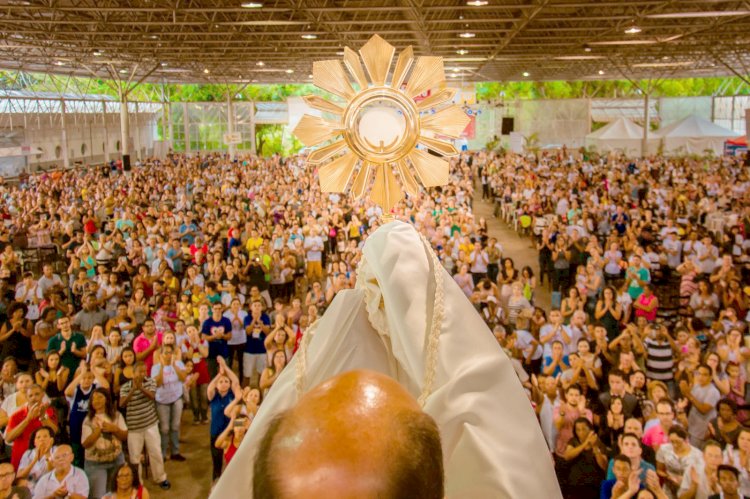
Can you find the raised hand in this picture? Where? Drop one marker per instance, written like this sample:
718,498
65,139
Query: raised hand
634,481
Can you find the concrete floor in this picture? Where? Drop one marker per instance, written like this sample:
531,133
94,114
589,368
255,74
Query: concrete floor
192,479
519,249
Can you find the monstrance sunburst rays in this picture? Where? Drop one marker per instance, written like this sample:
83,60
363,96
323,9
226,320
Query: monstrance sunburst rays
380,123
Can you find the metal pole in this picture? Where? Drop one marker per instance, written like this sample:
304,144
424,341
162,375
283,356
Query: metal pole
252,128
164,121
137,134
230,124
171,124
646,119
64,136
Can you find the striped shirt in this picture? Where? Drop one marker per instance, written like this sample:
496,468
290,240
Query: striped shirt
659,360
141,410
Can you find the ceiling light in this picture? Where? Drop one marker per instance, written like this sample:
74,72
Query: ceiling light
462,52
708,13
526,74
663,64
586,48
123,71
633,30
477,3
154,37
289,71
59,63
464,59
601,72
163,64
309,37
456,70
310,76
626,42
340,52
98,52
252,5
206,71
579,57
260,63
454,75
467,35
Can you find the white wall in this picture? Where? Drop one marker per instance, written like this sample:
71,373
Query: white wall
83,129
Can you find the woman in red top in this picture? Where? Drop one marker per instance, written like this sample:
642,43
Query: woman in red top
89,223
195,349
231,438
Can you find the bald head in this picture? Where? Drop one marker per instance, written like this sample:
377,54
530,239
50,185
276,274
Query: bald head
359,434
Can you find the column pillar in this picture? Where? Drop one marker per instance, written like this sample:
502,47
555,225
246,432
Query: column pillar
646,123
106,132
164,125
64,135
230,124
137,134
124,126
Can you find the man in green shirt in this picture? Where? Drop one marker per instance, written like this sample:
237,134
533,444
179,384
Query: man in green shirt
70,345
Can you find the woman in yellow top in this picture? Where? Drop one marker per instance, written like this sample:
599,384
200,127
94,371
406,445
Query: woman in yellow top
354,227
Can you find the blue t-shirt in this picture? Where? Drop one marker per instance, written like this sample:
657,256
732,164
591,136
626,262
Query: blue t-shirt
189,237
79,409
605,492
254,343
645,466
217,404
558,370
216,347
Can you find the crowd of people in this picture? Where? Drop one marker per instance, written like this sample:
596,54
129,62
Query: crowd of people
173,293
177,293
638,369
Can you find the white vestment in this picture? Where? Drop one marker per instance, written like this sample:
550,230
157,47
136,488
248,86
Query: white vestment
493,446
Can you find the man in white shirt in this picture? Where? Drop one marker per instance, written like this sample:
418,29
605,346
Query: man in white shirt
49,280
695,479
29,292
65,480
707,255
673,248
555,330
479,261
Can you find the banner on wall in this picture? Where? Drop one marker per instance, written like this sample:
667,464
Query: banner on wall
466,95
470,131
232,138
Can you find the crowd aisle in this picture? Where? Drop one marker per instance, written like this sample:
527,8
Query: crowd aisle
145,314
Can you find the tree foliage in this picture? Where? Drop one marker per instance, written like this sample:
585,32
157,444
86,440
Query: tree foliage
682,87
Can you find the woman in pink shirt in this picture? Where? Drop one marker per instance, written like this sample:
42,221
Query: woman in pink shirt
647,304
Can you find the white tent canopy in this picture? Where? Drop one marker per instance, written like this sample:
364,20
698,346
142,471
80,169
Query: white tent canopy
619,135
693,135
